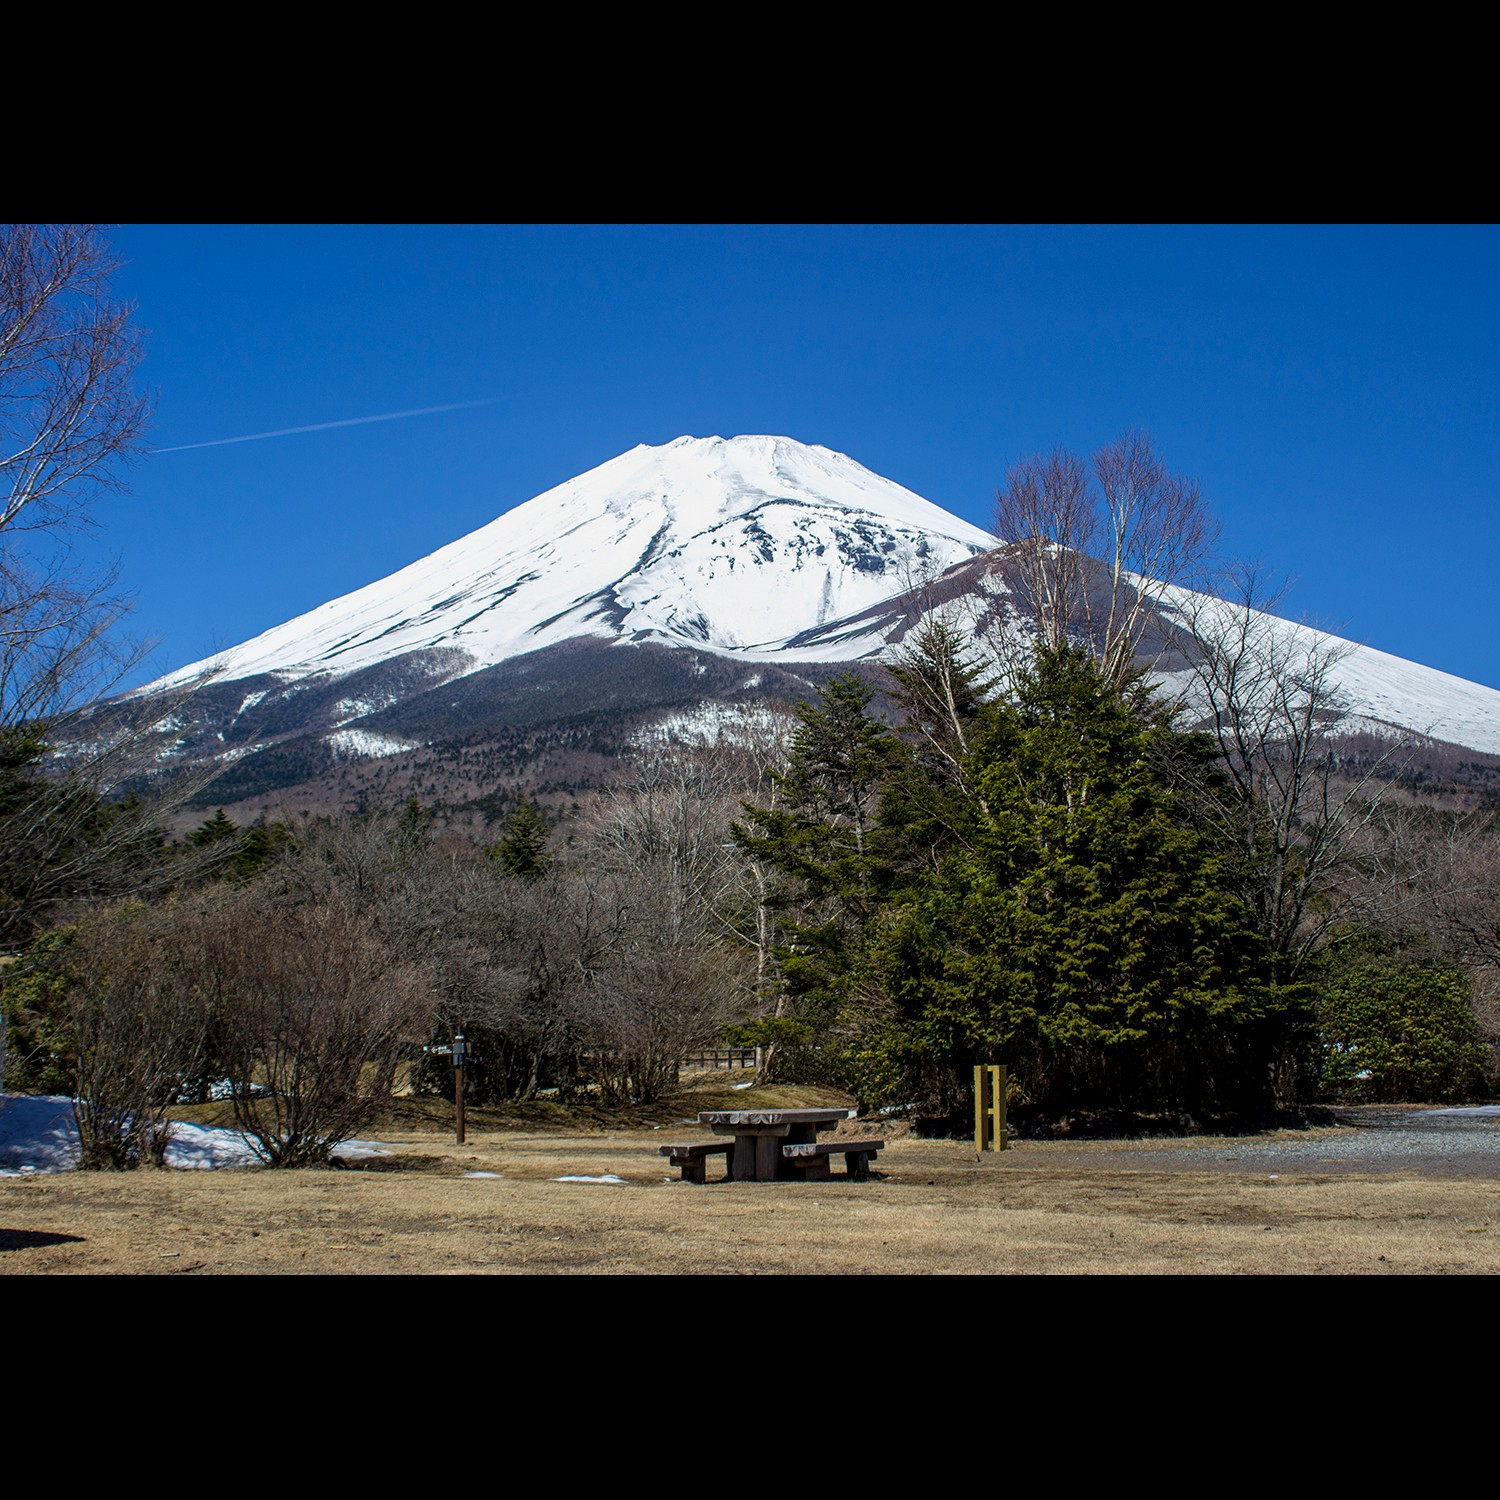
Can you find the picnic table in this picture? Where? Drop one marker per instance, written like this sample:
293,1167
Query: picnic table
759,1135
766,1145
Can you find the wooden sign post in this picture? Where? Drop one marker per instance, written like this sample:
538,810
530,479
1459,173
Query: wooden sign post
459,1052
990,1082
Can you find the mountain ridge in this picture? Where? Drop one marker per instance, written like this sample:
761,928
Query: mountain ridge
771,555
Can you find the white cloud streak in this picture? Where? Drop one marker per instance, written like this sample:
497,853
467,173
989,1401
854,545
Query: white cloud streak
387,416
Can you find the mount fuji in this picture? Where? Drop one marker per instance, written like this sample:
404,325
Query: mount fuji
703,569
736,546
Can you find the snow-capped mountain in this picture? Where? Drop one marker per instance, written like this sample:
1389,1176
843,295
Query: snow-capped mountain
706,569
732,545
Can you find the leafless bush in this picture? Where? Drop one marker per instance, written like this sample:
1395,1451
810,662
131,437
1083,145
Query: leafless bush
318,1013
136,1012
665,986
509,957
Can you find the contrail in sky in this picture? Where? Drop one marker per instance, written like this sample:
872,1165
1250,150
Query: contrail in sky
386,416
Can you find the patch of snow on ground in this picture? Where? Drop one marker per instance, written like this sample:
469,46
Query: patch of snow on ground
357,708
608,1177
712,724
365,744
38,1134
1486,1111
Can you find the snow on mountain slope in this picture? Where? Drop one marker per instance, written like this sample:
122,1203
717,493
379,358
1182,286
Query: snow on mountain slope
1372,689
733,545
762,549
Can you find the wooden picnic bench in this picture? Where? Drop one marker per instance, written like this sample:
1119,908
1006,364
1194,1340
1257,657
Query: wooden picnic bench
692,1157
760,1133
811,1158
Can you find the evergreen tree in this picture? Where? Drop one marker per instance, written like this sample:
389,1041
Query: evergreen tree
1080,929
930,796
1015,880
412,825
260,843
214,830
522,850
1398,1031
825,834
60,841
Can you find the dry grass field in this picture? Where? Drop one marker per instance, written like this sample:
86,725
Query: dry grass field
1168,1207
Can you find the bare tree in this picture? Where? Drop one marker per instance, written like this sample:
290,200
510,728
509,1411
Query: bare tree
676,968
70,423
69,412
672,818
1089,551
1267,692
1461,886
539,944
1047,519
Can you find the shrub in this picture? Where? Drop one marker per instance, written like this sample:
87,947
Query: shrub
316,1015
119,1003
1394,1032
37,1057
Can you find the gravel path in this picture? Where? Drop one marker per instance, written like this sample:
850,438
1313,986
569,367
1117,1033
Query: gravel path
1369,1139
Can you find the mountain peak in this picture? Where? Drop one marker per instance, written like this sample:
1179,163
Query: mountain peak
735,544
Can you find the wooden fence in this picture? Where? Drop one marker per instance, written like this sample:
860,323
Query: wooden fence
722,1057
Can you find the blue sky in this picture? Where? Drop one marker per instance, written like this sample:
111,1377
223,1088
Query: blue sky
1333,389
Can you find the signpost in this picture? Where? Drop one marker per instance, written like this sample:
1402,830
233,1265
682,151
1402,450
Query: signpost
459,1051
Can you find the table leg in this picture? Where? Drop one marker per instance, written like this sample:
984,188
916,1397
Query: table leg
767,1157
742,1158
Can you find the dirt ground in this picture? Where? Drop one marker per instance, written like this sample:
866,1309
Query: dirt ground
1170,1207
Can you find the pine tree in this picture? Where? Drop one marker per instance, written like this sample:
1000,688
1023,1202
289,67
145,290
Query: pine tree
930,797
412,825
522,850
212,830
1081,930
825,835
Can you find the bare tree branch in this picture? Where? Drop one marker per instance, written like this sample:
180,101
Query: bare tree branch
1267,692
1089,551
70,417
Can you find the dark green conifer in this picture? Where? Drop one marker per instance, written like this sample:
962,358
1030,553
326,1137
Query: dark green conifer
411,826
1081,929
522,850
825,834
212,830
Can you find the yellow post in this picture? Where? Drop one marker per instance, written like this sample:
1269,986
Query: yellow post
990,1082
